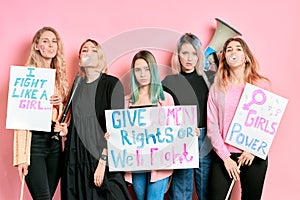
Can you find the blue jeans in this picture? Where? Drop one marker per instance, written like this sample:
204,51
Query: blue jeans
182,179
144,189
202,173
181,185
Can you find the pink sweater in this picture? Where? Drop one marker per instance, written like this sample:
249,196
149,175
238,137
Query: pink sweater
156,175
221,107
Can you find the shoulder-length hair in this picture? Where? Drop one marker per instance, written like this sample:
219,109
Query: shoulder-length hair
251,74
156,90
102,67
195,42
58,63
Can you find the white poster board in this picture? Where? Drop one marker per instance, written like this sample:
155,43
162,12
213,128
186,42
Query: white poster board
256,121
152,138
28,105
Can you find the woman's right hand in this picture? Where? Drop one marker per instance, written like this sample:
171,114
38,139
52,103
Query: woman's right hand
232,168
61,128
197,131
23,170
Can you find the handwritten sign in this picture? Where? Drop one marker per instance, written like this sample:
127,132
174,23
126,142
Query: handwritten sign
152,138
28,105
256,121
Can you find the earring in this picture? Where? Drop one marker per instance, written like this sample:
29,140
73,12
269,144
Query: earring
35,47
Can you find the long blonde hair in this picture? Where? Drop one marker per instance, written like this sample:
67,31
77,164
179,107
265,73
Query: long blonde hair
102,60
251,74
58,63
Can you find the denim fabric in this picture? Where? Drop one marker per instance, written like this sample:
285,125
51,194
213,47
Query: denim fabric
144,189
202,173
45,166
181,185
182,179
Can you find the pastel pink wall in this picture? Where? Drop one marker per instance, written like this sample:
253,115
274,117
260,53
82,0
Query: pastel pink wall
271,28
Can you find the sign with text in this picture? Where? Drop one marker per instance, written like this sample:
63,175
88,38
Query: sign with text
152,138
28,105
256,121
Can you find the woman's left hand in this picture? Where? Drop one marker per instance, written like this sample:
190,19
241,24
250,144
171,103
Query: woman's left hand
99,173
107,136
246,158
61,128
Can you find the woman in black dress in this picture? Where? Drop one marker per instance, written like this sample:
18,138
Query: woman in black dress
86,175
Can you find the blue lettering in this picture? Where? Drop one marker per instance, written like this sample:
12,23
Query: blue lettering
121,159
124,136
240,138
44,95
235,129
262,146
140,139
131,121
17,81
141,117
30,70
116,122
189,132
248,143
168,132
254,144
181,133
148,136
158,134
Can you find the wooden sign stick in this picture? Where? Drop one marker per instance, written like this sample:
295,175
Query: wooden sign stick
22,188
231,185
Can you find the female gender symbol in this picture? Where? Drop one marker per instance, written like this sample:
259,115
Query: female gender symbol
258,101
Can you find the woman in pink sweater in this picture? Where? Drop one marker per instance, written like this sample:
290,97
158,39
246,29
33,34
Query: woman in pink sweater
238,66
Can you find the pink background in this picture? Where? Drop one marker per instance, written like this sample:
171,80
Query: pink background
271,28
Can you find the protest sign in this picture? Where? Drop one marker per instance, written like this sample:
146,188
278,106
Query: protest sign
29,94
256,120
152,138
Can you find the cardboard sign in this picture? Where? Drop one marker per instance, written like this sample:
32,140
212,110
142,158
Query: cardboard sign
152,138
256,121
29,94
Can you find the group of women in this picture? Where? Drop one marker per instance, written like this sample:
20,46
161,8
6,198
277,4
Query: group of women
82,163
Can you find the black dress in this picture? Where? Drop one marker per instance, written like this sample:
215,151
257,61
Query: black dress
85,142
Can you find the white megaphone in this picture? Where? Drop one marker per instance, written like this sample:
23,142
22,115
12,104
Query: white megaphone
222,33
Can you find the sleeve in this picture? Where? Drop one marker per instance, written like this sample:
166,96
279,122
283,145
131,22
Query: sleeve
21,148
168,86
214,124
117,97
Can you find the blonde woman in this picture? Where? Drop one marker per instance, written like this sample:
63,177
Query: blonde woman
86,174
189,85
37,155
